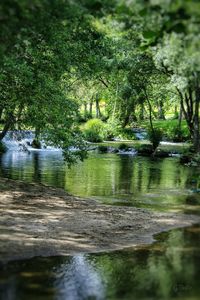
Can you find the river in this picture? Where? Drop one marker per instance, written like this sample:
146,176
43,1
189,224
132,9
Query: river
168,269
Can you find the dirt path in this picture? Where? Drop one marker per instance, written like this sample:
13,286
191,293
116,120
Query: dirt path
37,220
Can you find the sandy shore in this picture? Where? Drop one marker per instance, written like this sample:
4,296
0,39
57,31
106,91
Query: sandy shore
37,220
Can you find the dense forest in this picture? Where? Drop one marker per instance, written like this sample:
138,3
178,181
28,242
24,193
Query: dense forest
92,69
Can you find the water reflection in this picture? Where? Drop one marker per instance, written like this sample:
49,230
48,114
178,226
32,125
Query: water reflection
78,280
169,269
126,180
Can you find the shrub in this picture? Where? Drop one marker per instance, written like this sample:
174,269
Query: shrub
94,130
127,134
112,129
179,135
155,137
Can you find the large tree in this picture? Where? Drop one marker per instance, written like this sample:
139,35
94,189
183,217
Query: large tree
43,46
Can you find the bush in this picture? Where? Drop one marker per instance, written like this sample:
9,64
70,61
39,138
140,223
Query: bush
178,135
127,134
94,130
155,137
112,129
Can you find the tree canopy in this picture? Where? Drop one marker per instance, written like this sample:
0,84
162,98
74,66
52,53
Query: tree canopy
136,55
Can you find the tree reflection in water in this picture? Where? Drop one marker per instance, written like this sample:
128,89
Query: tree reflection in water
161,184
168,269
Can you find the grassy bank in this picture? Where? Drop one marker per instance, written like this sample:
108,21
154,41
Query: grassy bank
170,129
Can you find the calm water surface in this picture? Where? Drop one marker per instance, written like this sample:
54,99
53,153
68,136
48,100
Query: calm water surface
113,179
168,269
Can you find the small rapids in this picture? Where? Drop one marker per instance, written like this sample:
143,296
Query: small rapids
21,140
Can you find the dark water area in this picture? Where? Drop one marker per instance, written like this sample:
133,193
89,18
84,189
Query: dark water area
163,184
169,269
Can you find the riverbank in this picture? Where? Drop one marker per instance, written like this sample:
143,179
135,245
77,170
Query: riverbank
37,220
143,146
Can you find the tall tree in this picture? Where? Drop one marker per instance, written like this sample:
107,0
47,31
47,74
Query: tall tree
41,42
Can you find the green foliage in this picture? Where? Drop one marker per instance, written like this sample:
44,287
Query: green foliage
94,130
45,46
127,134
178,135
112,129
155,137
58,56
171,130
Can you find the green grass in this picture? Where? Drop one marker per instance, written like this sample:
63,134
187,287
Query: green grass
164,124
169,128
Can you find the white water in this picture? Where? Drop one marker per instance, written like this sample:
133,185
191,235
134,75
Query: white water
22,140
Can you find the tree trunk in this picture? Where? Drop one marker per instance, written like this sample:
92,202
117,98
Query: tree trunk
1,113
37,133
180,118
150,112
85,110
175,112
186,113
190,108
90,109
8,124
98,112
141,114
196,136
125,120
161,114
129,114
